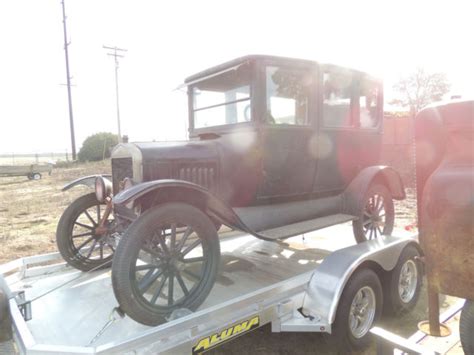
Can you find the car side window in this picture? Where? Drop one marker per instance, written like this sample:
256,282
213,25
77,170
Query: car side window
337,99
287,96
368,103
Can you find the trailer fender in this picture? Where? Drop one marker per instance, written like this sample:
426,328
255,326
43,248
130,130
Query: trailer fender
329,279
85,180
355,192
165,190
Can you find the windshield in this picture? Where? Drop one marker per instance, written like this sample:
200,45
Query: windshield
222,99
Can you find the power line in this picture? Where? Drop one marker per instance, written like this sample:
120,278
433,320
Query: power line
117,53
68,77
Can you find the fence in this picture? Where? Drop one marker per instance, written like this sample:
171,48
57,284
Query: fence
29,158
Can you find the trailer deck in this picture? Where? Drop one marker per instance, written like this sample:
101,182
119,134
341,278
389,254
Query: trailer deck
259,282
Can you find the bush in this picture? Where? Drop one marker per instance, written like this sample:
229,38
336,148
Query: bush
97,147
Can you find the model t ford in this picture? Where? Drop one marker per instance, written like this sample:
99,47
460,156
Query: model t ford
278,147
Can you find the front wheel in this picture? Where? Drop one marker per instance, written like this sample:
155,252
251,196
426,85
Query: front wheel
359,308
166,260
81,243
376,216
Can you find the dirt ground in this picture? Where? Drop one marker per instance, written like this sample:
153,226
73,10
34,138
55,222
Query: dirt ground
30,210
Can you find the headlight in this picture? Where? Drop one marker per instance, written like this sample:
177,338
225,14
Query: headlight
103,188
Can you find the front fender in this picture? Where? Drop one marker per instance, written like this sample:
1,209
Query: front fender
356,190
195,194
85,180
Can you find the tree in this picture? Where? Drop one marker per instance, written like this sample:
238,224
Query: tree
420,89
97,146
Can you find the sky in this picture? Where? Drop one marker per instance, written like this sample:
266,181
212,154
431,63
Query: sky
170,40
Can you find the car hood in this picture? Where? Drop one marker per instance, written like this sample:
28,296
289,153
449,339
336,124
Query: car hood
195,150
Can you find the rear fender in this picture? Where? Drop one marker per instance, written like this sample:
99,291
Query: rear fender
168,190
355,192
86,180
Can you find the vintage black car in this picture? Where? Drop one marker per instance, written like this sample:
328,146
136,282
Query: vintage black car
278,147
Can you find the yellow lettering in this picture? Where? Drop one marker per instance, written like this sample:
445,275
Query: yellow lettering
202,345
240,327
211,341
253,321
215,339
226,333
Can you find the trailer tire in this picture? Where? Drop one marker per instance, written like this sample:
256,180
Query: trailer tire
466,327
359,309
366,226
403,284
5,320
70,246
152,255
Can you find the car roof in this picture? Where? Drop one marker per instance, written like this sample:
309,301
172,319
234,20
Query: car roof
241,60
252,57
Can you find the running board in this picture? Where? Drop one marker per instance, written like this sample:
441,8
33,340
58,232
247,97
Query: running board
306,226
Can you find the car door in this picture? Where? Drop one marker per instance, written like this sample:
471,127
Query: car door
288,164
350,128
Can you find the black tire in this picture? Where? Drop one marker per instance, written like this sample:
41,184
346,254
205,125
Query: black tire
36,176
403,283
376,216
148,257
466,327
346,335
76,238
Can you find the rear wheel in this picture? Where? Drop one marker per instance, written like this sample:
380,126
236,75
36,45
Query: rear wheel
166,260
77,236
359,308
36,176
404,283
377,215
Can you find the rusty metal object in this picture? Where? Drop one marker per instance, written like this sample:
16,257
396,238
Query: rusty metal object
102,228
445,191
443,330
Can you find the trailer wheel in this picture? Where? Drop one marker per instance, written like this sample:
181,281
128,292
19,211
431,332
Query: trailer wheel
466,327
359,308
36,176
166,260
77,238
377,215
402,288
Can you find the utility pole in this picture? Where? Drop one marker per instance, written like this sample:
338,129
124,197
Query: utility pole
71,120
117,53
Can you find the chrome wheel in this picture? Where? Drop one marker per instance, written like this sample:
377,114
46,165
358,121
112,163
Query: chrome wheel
408,280
362,312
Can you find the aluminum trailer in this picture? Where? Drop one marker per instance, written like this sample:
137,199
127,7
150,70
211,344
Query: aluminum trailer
260,282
